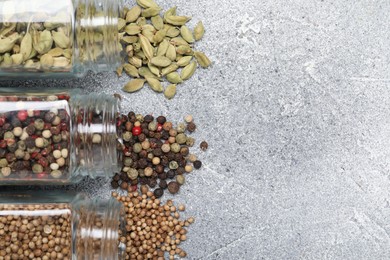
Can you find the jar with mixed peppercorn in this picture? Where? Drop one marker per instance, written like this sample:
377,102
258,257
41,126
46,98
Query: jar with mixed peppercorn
57,137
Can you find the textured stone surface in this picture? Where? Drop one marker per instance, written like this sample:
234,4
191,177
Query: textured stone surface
296,111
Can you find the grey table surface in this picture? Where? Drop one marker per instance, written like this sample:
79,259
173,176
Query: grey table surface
296,111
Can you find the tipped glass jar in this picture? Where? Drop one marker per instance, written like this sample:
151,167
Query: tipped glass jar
62,38
57,137
49,225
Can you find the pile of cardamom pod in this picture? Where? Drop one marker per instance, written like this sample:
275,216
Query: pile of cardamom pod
36,45
158,47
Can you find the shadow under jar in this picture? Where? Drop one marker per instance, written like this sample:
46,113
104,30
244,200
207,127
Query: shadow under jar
61,38
53,225
57,137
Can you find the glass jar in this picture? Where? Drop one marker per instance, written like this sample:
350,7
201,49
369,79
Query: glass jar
50,225
62,38
57,137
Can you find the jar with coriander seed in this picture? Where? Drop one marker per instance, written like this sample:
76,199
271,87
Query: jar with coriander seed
62,38
54,225
57,137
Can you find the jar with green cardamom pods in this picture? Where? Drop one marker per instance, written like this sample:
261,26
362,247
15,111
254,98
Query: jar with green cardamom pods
62,38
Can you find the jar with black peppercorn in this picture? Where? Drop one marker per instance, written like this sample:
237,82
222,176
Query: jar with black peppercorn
53,225
57,137
62,38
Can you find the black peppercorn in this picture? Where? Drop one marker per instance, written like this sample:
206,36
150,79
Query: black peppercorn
30,129
171,174
158,192
163,184
18,166
164,135
16,122
142,137
152,183
159,168
161,119
162,176
197,164
49,117
148,118
142,163
180,170
114,184
157,152
116,177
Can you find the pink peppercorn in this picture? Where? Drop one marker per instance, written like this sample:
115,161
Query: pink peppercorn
22,115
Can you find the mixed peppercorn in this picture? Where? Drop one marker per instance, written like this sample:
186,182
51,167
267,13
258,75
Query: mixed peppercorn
156,155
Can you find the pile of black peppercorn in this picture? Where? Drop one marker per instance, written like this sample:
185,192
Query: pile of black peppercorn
156,155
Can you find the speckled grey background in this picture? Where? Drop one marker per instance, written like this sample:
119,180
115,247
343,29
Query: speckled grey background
296,111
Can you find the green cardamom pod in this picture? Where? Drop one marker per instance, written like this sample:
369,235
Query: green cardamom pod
177,20
131,70
146,47
61,40
42,41
170,91
135,61
8,43
121,24
147,3
56,52
119,71
184,50
173,32
161,61
171,68
198,31
187,34
47,60
184,61
162,48
177,41
17,59
157,22
68,53
133,29
188,71
133,14
174,78
134,85
151,11
61,62
202,59
26,46
155,70
155,84
7,60
159,36
145,72
141,21
171,52
129,39
171,11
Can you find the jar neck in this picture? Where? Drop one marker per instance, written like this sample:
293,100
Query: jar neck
96,227
94,135
97,46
